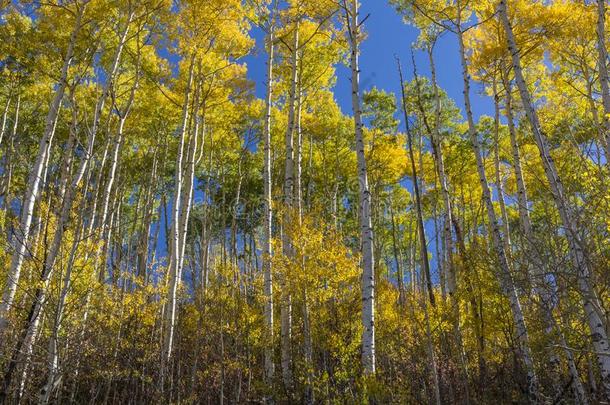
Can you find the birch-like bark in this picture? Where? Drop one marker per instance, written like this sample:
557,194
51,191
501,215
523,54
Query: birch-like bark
4,116
268,208
35,178
522,202
189,176
298,166
421,236
576,244
102,220
286,304
30,329
5,184
498,171
505,277
67,194
602,60
174,237
298,202
366,230
100,164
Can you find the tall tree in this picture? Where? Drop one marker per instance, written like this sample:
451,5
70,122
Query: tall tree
354,37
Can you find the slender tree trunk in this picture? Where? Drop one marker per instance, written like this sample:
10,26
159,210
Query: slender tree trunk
173,271
412,252
189,176
67,190
498,171
432,366
421,236
285,310
4,116
397,263
105,217
234,216
298,169
602,60
65,196
522,202
423,251
298,202
268,213
93,214
53,359
366,230
5,184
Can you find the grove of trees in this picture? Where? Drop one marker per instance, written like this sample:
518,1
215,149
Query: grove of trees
166,236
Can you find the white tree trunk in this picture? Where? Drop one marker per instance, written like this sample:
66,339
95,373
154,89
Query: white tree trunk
440,167
602,56
366,229
286,303
4,116
268,209
522,203
5,184
498,172
65,195
189,176
93,215
175,259
298,169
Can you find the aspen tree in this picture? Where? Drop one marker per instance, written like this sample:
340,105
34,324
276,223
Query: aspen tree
350,8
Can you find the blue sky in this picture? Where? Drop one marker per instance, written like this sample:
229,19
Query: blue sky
387,35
